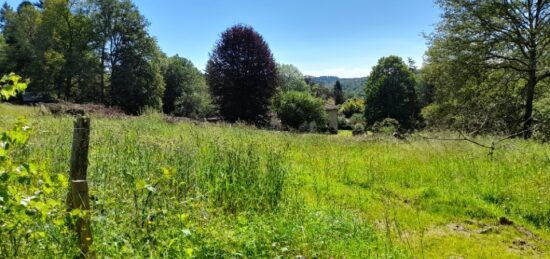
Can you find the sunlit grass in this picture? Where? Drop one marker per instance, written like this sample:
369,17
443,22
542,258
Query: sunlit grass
163,189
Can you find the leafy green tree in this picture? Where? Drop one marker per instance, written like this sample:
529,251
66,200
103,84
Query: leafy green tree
136,80
242,75
20,32
108,27
512,36
469,96
64,38
390,93
296,108
338,93
186,91
133,60
50,44
291,79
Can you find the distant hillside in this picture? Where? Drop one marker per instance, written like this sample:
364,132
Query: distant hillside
351,86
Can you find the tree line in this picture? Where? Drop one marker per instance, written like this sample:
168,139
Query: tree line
487,70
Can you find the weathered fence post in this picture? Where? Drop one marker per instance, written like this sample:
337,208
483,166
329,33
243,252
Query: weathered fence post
78,196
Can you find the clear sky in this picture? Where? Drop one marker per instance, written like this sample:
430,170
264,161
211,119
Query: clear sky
321,37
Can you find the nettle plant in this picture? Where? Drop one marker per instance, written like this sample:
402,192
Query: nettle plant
31,210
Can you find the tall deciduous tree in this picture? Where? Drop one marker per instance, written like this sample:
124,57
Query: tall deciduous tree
136,79
390,93
291,78
242,75
511,35
186,91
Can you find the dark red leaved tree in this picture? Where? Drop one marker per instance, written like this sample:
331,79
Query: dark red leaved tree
242,75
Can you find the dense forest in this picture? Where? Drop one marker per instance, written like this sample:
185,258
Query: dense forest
484,71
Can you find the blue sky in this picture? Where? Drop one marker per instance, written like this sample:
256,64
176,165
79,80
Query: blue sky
338,37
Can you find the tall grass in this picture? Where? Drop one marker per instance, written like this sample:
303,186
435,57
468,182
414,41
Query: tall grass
202,190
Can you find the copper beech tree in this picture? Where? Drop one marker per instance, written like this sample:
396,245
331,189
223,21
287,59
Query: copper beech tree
242,75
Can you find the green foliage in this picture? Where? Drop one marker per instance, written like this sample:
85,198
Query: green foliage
291,78
298,108
186,91
51,45
136,80
356,118
386,126
513,39
470,97
10,85
84,51
352,106
390,92
358,129
30,208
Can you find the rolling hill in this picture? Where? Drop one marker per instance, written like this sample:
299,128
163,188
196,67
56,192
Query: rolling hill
351,86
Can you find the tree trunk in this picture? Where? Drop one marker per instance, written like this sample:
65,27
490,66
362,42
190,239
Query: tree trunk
528,115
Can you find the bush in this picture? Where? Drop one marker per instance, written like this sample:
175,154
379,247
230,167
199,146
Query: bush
298,108
355,119
352,106
388,125
343,122
358,129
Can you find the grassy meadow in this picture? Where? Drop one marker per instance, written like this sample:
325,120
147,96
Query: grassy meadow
188,189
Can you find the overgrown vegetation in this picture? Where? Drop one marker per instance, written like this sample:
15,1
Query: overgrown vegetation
298,108
178,190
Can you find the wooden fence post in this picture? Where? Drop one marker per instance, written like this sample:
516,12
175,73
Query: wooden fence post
78,197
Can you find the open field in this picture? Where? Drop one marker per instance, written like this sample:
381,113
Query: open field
204,190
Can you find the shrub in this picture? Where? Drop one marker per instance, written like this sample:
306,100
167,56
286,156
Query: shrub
343,122
352,106
358,129
388,125
355,119
298,108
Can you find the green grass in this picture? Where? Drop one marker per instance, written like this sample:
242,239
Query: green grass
164,189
